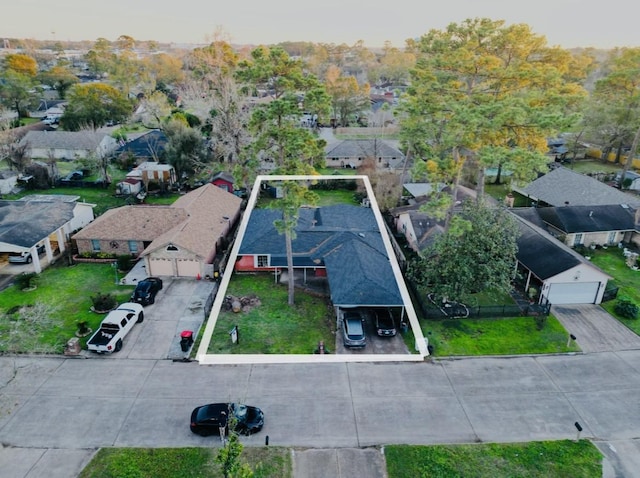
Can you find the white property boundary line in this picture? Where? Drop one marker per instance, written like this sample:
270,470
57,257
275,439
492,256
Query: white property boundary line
212,359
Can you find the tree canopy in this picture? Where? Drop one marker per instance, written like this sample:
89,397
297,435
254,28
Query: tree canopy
93,105
488,91
479,253
613,112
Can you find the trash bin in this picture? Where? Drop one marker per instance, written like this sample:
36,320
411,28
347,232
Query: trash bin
186,340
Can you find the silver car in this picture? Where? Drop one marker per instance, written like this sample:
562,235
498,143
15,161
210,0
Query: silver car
353,335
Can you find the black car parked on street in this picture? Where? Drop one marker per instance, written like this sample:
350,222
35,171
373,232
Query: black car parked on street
146,290
205,420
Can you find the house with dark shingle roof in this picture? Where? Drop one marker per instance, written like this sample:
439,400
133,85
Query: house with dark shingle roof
180,240
563,187
589,225
558,274
68,145
147,147
41,220
342,242
350,153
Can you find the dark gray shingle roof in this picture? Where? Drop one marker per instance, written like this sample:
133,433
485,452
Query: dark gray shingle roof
344,239
562,187
24,223
362,148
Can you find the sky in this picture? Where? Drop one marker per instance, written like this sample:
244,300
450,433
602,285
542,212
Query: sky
567,23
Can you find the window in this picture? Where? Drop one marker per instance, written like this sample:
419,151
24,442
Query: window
95,245
577,240
171,247
262,261
612,238
133,246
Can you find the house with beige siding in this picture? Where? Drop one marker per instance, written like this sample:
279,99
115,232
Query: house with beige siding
68,145
180,240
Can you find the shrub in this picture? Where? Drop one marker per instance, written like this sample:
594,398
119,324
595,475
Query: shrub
102,302
626,308
124,262
82,327
25,280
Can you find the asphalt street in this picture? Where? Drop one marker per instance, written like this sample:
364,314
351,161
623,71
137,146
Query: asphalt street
60,410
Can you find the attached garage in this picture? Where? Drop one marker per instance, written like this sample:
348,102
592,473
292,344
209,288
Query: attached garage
160,267
562,275
187,268
572,293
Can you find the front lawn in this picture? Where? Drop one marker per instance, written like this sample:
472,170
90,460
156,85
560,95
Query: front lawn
269,325
61,299
503,336
612,261
545,459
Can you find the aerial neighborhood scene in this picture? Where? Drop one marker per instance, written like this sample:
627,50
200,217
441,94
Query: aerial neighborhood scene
301,254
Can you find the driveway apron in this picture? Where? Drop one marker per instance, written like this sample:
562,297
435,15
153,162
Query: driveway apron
595,329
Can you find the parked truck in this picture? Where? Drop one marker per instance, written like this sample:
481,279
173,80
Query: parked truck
115,326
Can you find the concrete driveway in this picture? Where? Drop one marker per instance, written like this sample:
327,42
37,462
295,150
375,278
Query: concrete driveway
178,306
595,329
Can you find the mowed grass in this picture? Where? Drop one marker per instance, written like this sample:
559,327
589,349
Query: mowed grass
273,327
267,462
66,292
612,261
500,336
548,459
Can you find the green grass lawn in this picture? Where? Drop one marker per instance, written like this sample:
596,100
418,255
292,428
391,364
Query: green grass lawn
612,261
504,336
548,459
586,166
272,326
65,295
330,198
545,459
266,462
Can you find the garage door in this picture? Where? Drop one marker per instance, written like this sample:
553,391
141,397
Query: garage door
188,268
572,293
160,267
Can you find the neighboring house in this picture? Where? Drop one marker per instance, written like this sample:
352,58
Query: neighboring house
68,145
342,242
148,147
180,240
151,171
39,220
587,225
419,229
563,187
350,153
558,274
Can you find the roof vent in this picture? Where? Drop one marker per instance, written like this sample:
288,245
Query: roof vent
590,213
361,234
